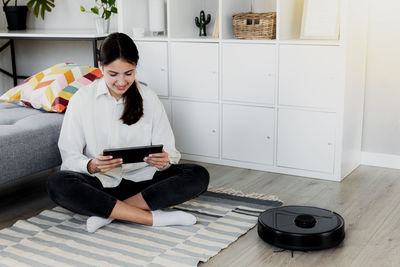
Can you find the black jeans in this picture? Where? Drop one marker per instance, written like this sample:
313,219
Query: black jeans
84,194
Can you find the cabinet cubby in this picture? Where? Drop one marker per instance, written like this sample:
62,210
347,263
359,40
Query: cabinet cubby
183,13
135,14
257,124
259,77
196,121
154,69
230,7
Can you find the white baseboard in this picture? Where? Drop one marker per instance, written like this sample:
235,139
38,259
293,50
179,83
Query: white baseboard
380,160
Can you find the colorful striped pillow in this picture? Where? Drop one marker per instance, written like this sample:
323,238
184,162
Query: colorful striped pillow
51,89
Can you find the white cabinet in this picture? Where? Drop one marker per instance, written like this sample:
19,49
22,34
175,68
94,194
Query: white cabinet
310,76
248,72
194,70
306,140
152,67
285,105
196,127
167,107
248,133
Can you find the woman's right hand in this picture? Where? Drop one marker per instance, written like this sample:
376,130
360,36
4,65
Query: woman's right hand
103,164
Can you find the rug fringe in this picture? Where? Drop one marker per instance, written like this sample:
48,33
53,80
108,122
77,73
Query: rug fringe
234,192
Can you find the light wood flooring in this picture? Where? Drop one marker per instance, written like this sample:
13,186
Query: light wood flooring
368,199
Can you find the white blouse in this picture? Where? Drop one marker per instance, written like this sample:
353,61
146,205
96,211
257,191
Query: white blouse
92,123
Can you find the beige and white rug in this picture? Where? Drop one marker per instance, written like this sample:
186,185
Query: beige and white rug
58,237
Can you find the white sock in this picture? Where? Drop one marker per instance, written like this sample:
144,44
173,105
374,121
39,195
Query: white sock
93,223
165,218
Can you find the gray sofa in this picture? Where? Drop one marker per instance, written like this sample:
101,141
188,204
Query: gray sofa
28,141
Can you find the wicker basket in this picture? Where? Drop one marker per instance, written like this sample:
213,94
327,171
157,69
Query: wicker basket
254,25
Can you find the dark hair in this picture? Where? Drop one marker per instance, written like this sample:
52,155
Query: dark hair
121,46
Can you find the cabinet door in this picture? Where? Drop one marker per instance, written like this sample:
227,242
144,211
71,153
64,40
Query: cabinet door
310,76
152,67
196,127
248,72
194,70
247,133
306,140
167,107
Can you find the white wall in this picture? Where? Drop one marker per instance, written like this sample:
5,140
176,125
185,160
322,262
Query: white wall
35,55
381,130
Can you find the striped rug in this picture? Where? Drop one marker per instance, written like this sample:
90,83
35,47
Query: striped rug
58,237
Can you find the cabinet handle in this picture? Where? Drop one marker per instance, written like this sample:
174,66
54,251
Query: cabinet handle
214,131
162,69
330,143
268,137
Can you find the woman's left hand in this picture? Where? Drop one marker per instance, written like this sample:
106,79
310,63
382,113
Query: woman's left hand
158,160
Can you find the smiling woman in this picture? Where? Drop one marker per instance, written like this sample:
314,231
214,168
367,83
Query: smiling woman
117,112
118,58
120,75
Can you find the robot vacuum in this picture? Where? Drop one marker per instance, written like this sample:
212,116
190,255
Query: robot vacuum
301,228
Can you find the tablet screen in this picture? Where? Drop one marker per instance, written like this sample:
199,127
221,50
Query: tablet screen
133,154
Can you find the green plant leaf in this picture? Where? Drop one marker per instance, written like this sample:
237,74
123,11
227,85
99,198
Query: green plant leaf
36,10
42,12
95,10
40,6
107,14
30,4
104,7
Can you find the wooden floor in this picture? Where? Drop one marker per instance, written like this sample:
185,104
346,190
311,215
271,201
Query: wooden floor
368,199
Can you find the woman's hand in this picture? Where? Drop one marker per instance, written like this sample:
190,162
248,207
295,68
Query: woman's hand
103,164
158,160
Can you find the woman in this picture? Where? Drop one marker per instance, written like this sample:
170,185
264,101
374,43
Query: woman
115,112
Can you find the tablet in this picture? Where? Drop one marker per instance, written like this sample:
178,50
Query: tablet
132,154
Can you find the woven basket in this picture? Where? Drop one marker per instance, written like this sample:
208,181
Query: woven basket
254,25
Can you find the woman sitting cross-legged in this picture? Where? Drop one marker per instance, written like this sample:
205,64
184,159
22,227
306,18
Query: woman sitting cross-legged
116,112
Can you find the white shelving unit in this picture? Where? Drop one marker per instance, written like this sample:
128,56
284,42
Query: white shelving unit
285,105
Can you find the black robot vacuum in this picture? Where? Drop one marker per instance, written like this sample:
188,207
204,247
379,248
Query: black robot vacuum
301,228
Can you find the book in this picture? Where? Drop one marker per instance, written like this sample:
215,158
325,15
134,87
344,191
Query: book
216,27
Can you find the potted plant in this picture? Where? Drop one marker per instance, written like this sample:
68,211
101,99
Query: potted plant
16,15
103,9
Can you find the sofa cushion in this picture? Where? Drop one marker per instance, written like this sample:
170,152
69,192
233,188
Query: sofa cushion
51,89
28,141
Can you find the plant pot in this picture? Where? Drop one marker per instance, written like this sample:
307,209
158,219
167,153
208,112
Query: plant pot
16,17
102,25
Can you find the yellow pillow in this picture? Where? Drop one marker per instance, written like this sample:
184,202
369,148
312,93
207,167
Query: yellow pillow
51,89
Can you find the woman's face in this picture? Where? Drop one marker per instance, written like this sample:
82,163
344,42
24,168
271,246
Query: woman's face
119,76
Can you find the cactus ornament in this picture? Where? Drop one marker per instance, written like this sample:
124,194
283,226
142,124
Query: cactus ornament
202,22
